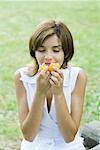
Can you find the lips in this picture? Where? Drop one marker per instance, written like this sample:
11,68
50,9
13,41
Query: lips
47,63
50,66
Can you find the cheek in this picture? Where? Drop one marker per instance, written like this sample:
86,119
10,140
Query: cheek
39,58
61,58
61,61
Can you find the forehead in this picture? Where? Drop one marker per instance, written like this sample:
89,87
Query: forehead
52,40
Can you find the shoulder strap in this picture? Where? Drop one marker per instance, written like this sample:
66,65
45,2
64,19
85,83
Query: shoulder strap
74,71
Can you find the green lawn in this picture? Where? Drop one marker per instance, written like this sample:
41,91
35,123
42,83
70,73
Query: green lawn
17,22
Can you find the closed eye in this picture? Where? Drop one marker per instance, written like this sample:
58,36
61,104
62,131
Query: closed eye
56,51
57,48
41,50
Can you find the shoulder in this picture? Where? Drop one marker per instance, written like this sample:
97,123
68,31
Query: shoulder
82,76
78,78
18,82
19,72
80,72
17,75
81,80
81,83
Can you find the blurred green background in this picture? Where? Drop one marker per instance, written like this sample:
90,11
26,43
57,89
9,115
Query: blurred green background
17,22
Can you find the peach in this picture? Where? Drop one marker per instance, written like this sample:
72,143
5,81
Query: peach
50,67
41,67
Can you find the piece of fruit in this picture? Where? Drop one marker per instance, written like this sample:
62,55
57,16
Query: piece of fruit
50,67
41,67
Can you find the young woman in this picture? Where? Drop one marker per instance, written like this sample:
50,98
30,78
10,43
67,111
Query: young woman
50,104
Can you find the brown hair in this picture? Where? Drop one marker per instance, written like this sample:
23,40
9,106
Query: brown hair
48,28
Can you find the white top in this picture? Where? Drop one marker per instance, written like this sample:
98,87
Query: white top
49,136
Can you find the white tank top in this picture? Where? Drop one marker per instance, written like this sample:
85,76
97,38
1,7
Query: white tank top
48,126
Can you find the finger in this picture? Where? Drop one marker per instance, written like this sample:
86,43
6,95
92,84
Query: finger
45,69
51,82
47,75
55,74
54,79
43,72
58,71
61,75
55,69
49,85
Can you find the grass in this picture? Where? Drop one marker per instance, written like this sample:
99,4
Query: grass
17,22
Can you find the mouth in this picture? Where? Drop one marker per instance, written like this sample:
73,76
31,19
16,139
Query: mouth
47,63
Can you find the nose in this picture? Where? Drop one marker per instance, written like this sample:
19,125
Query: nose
48,57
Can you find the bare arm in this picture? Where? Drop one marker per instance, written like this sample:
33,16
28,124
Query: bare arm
69,123
29,120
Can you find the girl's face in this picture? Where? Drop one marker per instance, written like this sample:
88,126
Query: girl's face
50,51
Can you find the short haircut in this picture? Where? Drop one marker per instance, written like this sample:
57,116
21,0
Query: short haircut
48,28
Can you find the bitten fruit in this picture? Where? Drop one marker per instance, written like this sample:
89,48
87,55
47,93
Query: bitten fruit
50,67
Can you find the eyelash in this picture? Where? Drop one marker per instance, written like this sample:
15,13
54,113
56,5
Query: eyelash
43,50
56,51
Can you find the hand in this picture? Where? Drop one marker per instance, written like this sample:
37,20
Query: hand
56,81
43,83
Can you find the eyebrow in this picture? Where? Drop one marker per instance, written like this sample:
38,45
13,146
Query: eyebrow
52,46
